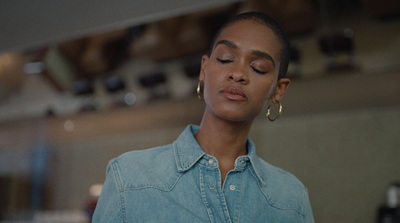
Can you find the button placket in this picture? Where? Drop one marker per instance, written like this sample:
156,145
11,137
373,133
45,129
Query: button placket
232,191
211,195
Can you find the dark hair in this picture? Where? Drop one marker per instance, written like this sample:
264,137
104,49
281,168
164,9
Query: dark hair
269,22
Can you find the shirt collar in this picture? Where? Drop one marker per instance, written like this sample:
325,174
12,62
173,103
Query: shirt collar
186,149
188,152
255,161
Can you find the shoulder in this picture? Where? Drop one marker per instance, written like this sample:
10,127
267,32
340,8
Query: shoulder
149,168
280,177
149,158
282,189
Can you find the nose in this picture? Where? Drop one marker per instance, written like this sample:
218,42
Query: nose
239,75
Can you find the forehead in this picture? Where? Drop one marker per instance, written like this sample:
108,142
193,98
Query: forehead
253,34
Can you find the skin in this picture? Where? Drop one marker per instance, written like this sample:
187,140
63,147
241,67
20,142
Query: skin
239,77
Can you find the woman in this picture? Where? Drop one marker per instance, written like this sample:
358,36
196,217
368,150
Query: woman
211,173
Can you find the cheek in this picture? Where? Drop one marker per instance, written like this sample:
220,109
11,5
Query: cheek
212,76
209,86
266,88
270,91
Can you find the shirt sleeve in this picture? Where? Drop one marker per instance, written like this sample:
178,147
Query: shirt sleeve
308,217
110,206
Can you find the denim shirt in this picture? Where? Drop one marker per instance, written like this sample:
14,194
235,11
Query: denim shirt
181,183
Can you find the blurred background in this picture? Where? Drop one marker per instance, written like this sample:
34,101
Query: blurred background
83,81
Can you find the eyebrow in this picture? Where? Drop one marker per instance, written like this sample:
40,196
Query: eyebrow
227,43
263,55
257,53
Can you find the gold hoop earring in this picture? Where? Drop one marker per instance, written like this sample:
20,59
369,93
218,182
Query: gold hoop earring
269,112
199,92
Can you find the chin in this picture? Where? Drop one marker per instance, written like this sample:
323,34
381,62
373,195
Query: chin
235,117
233,113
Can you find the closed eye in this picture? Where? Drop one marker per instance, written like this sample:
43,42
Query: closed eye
224,61
258,71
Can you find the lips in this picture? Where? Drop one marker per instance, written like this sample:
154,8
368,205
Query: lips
234,94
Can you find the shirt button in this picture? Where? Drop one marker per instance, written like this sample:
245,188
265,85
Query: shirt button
211,187
210,162
232,187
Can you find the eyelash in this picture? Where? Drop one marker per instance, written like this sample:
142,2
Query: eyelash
224,61
258,71
254,69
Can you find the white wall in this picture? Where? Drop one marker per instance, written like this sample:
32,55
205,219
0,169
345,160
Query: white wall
346,159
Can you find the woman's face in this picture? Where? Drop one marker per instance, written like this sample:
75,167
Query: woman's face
242,71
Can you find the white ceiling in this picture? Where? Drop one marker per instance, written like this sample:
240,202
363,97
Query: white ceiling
29,24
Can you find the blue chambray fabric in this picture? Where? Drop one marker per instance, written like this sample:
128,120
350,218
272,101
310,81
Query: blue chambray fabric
179,182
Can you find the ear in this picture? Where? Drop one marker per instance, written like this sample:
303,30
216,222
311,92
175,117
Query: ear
204,61
280,89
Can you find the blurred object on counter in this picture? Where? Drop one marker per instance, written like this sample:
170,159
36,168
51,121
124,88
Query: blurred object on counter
390,211
11,73
339,47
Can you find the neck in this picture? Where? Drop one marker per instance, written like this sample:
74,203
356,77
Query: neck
225,140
